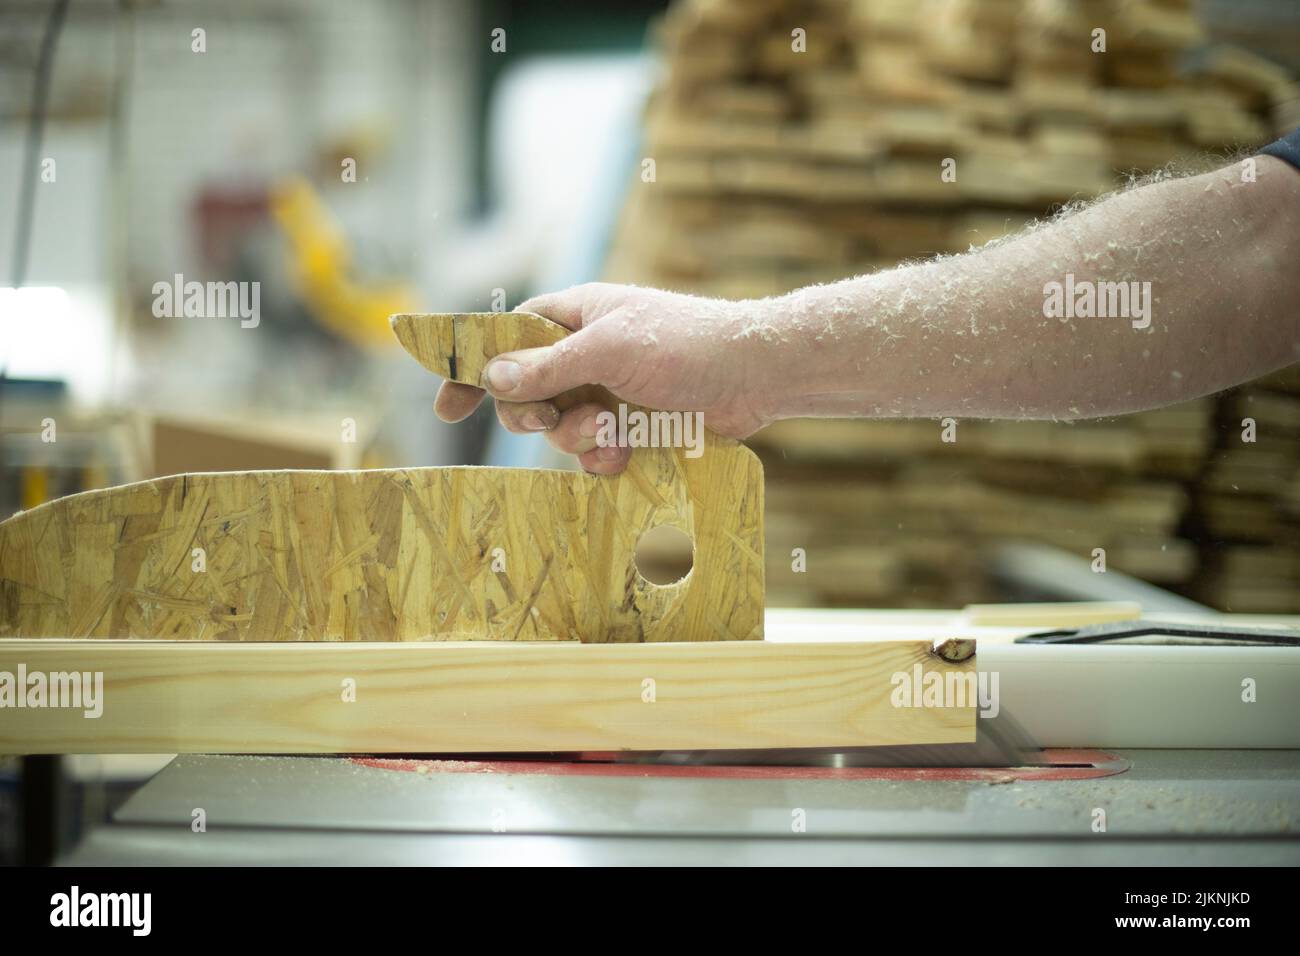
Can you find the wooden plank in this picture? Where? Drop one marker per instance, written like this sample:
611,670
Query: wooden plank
207,697
1047,616
1243,69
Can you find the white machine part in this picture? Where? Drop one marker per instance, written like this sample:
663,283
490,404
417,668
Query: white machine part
1104,695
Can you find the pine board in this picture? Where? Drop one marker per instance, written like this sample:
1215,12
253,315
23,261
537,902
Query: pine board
206,697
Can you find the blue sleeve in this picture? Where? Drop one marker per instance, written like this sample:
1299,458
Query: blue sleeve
1286,149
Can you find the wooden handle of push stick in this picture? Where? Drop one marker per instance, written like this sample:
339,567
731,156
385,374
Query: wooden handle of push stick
458,346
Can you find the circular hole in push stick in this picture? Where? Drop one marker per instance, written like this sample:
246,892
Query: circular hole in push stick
664,555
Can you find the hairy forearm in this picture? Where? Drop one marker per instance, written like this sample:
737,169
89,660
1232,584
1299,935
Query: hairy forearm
1216,262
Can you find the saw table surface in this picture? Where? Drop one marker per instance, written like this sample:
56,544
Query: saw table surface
1168,804
1170,807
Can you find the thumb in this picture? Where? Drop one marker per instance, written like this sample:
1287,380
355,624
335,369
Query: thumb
531,375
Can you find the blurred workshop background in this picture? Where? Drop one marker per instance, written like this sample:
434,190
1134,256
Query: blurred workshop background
360,158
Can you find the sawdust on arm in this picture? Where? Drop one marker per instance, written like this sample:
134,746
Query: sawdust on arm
965,335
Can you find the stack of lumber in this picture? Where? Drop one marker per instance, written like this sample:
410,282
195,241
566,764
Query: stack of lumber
888,513
802,141
1246,508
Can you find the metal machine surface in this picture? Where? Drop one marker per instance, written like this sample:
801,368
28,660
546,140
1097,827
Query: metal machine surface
1160,807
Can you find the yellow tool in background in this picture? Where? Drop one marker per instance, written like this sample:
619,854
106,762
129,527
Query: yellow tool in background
322,267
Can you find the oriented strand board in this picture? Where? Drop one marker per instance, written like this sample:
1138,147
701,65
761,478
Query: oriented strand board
208,697
399,555
458,346
391,555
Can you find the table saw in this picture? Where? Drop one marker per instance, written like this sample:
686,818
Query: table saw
1135,764
1164,807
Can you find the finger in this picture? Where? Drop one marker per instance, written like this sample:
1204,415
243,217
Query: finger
578,429
605,461
534,374
525,418
456,401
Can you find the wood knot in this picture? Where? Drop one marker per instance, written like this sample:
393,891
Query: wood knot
954,650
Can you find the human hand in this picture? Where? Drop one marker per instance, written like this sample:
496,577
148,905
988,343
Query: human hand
661,350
